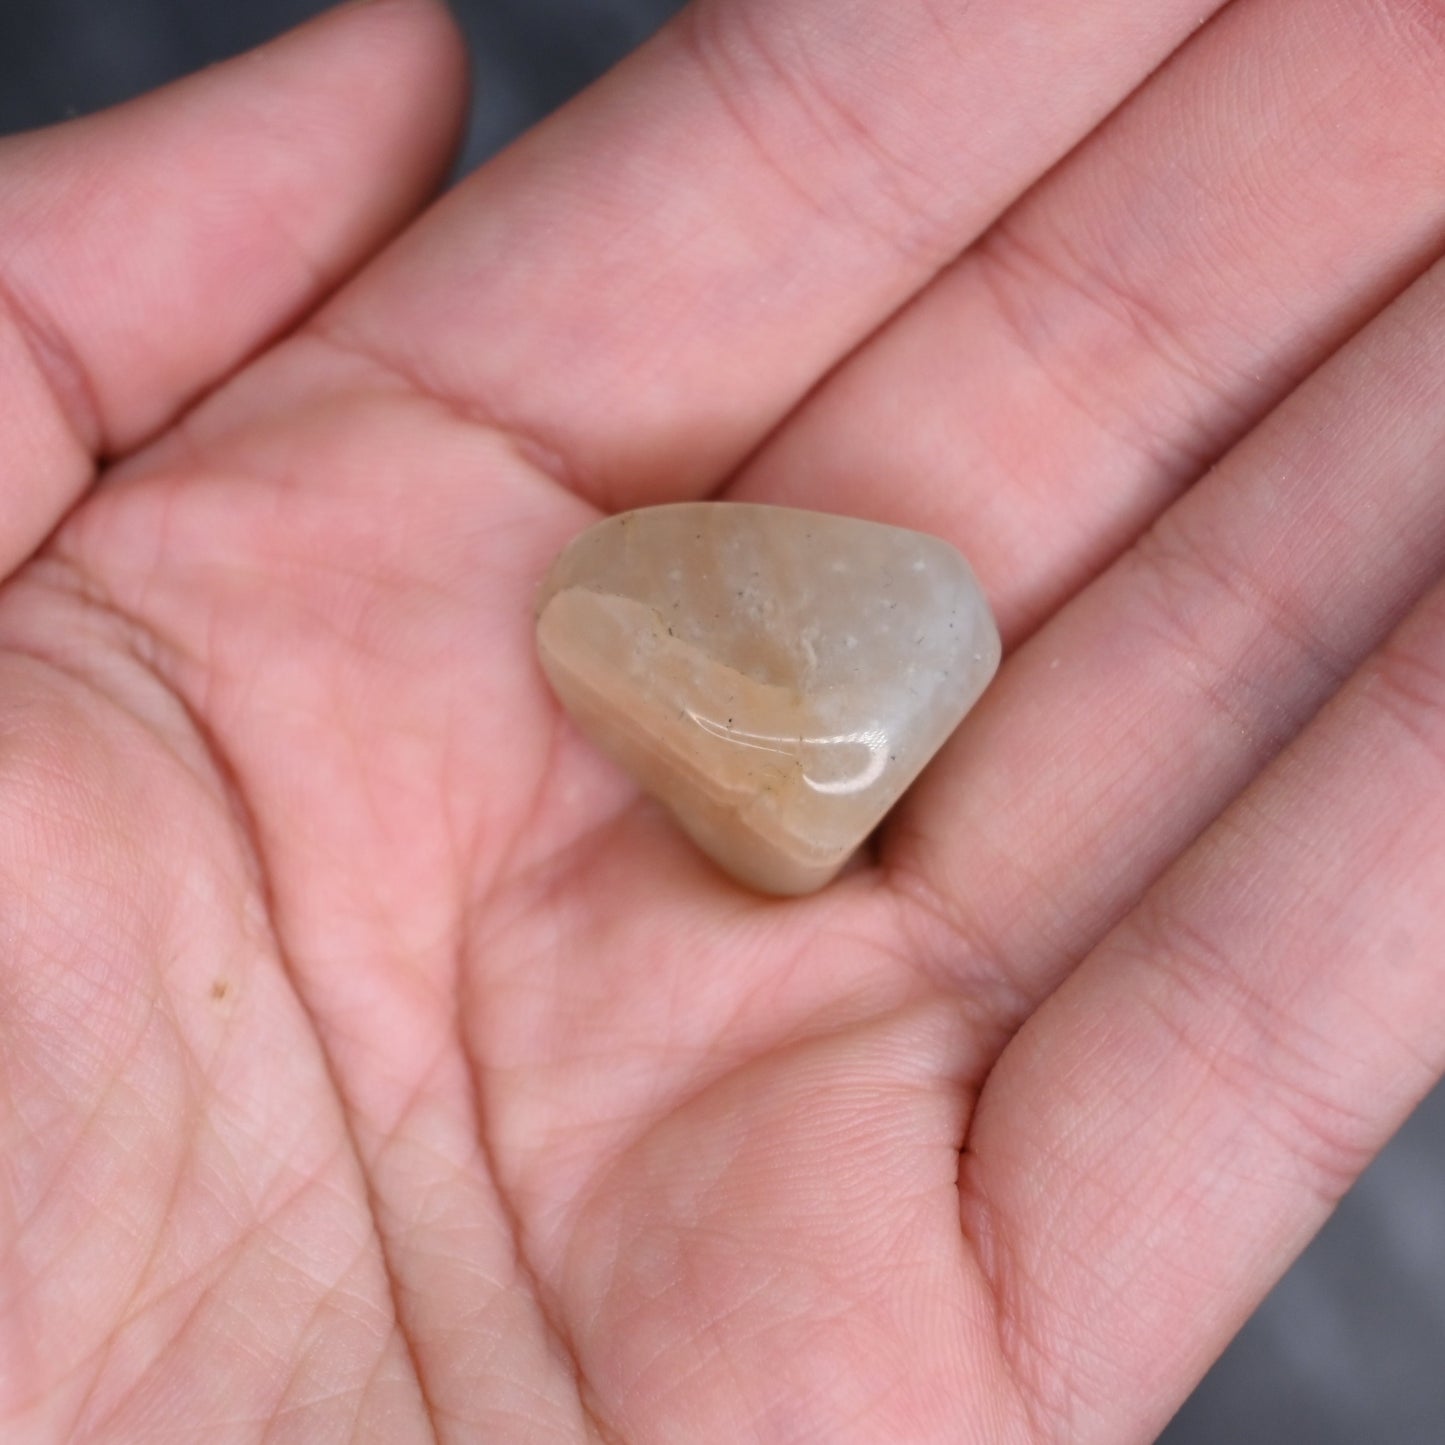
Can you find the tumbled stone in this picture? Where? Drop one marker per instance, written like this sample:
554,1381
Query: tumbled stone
776,677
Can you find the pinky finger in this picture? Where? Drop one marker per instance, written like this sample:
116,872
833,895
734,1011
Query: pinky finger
1169,1131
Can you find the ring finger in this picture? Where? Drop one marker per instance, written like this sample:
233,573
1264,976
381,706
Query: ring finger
1130,720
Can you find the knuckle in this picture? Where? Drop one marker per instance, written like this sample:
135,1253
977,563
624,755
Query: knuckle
1231,629
1406,680
1083,327
819,131
1268,1066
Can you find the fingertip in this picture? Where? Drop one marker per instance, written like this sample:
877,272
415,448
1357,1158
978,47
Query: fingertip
398,67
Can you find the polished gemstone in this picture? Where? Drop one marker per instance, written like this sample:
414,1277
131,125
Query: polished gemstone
777,678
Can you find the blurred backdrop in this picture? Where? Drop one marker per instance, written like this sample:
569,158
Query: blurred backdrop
1350,1348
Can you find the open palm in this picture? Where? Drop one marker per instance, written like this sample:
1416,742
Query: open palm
374,1063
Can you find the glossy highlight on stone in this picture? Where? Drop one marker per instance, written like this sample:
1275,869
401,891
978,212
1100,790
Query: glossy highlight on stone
776,677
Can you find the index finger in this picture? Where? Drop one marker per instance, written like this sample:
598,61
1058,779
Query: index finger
647,283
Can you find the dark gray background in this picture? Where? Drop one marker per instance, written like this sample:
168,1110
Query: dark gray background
1349,1348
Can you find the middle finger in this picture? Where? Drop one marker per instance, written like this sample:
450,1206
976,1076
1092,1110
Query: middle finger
1245,211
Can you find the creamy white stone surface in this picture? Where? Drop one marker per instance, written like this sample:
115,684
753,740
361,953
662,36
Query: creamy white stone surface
776,677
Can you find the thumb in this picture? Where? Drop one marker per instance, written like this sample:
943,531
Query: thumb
146,251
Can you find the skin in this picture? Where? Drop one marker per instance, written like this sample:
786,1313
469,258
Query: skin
374,1063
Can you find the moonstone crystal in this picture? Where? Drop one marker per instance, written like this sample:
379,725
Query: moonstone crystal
777,678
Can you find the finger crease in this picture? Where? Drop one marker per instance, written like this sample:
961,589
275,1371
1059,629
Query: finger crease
540,454
1012,267
59,366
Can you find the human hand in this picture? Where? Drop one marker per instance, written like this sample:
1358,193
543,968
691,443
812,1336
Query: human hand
374,1063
